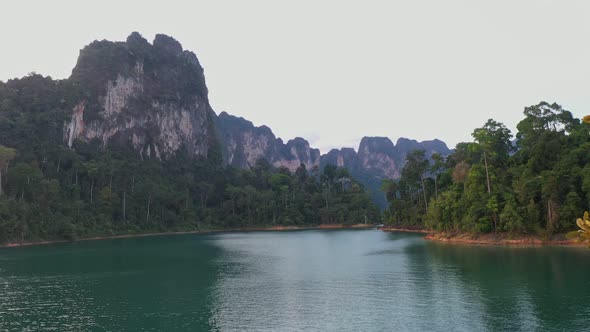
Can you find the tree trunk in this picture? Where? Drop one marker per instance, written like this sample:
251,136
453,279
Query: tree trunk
124,205
233,206
485,160
424,193
495,219
58,164
147,218
91,189
249,210
0,182
22,194
435,188
133,183
550,213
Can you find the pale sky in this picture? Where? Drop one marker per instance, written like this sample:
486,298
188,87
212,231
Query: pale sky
334,71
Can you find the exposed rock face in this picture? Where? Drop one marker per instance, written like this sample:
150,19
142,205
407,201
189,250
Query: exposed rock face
152,97
378,155
404,146
378,158
243,144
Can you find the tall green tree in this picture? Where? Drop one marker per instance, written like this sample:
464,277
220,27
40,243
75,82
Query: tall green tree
6,156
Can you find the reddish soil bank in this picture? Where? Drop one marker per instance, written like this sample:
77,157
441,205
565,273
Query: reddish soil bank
404,229
502,239
487,239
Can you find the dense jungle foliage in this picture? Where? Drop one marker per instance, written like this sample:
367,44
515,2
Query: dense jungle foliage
537,182
48,191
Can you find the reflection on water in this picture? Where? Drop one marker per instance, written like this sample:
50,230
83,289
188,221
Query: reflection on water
292,281
523,288
350,280
320,280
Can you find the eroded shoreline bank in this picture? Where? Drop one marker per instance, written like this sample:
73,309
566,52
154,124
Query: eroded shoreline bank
501,239
450,238
488,239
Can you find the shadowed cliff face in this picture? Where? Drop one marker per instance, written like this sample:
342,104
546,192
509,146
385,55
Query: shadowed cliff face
150,96
242,144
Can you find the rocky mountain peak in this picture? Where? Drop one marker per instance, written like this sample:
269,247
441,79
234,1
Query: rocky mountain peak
152,97
243,144
375,144
167,44
378,158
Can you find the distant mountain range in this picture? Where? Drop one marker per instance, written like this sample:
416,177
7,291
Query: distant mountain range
377,158
153,97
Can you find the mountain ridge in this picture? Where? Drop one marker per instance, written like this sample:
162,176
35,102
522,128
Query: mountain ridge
375,159
153,98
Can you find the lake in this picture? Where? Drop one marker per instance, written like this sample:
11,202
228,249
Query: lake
331,280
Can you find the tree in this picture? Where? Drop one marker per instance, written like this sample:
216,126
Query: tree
22,177
415,169
6,156
460,172
438,164
494,140
92,170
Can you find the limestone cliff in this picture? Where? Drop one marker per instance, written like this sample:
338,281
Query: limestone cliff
242,144
378,158
153,98
150,96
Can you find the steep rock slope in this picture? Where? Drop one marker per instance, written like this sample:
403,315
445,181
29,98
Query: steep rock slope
378,158
151,96
153,99
242,144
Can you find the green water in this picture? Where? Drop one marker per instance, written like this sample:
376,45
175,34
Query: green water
292,281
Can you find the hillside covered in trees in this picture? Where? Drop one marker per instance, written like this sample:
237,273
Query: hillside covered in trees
536,182
51,191
128,144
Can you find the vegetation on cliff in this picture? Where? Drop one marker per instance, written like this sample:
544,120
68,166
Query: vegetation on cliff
50,191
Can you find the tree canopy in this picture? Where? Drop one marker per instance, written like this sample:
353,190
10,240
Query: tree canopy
537,184
49,191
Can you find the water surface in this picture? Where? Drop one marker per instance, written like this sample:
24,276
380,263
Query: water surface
333,280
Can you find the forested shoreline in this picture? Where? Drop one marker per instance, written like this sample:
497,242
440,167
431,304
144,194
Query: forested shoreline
536,182
52,192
